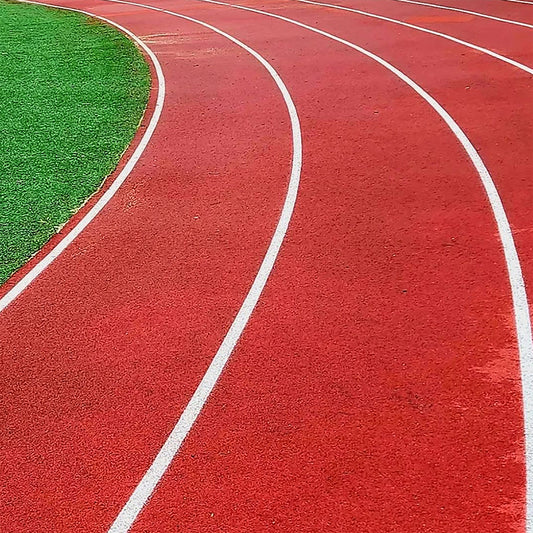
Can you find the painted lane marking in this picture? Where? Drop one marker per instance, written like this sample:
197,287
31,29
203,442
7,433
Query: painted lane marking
30,276
519,2
151,478
505,59
514,270
475,13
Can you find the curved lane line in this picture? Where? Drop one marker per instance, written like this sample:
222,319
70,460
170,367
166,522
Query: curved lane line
475,13
30,276
514,270
170,448
505,59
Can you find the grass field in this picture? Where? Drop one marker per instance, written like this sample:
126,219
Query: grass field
72,94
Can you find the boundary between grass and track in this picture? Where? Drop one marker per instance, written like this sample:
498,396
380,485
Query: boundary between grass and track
475,13
60,247
517,285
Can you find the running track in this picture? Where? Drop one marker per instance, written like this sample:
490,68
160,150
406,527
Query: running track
377,386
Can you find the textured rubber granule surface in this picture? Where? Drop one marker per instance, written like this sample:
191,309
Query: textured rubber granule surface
376,388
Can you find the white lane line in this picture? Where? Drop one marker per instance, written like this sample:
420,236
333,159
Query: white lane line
514,270
475,13
23,283
505,59
148,483
519,2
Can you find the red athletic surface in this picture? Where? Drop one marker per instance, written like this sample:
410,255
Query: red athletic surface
376,387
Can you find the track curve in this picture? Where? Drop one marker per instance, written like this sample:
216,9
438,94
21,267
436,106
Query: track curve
377,385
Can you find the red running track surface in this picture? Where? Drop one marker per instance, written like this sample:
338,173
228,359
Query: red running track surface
377,385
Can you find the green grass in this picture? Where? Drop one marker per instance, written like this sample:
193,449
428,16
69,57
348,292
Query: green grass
72,93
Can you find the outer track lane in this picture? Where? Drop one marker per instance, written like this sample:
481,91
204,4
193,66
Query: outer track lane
351,404
486,97
466,11
520,2
501,6
461,25
103,351
498,8
513,42
495,115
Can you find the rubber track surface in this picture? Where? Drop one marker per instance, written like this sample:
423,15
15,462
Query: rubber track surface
377,385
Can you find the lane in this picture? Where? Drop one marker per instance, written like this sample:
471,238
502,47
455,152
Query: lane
468,12
358,397
522,145
520,137
521,39
498,8
153,475
103,351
